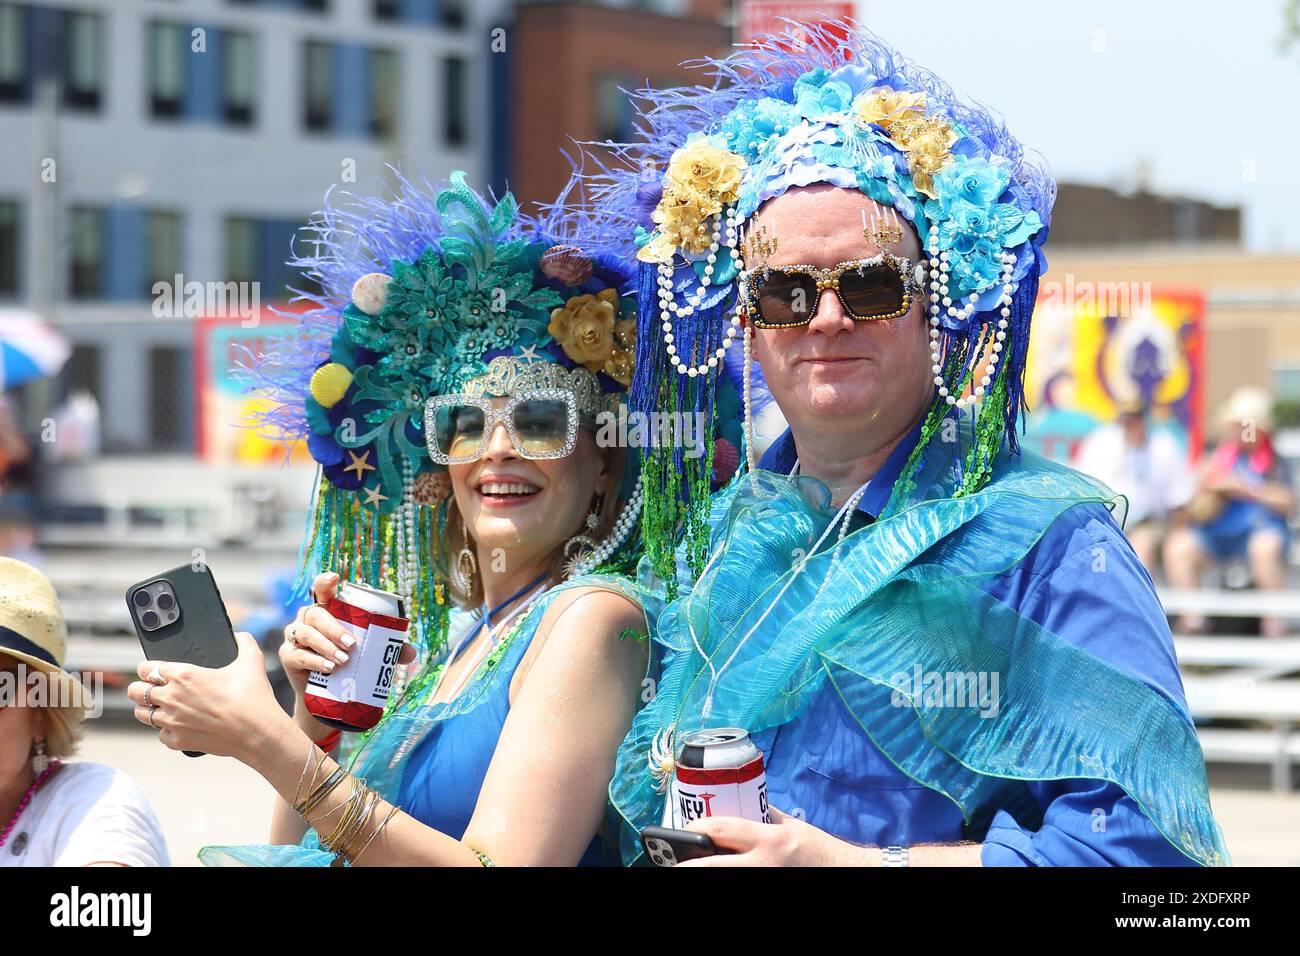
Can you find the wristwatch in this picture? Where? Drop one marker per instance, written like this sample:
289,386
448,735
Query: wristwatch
893,856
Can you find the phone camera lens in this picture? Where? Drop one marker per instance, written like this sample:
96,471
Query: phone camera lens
141,598
149,619
165,602
659,860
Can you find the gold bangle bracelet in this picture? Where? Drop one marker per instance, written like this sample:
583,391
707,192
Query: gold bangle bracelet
365,813
371,839
322,792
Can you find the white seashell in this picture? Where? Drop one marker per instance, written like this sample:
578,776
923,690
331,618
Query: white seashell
369,292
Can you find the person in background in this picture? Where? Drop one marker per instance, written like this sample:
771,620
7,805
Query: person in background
1148,468
55,813
1244,497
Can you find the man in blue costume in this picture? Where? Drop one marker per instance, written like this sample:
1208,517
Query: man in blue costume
946,649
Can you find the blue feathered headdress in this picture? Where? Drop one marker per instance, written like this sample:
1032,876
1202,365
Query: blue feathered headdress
825,104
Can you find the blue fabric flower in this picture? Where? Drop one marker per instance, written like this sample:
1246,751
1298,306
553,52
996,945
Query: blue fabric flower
975,181
816,95
749,127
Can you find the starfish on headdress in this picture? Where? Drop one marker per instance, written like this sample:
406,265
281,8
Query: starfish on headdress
374,496
360,464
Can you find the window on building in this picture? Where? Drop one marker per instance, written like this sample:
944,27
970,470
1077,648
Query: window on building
86,276
169,399
613,109
239,78
81,373
385,90
10,258
166,69
317,85
83,60
13,54
453,13
241,249
162,248
453,104
387,9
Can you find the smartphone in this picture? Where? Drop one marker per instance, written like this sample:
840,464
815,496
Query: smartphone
667,847
179,616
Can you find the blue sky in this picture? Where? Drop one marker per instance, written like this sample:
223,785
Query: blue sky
1196,90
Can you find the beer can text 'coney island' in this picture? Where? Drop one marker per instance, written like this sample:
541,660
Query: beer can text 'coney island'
353,696
719,774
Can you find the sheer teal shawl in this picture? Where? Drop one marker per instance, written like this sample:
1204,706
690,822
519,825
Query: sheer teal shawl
768,625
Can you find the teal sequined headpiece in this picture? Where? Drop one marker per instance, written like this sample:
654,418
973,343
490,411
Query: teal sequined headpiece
437,291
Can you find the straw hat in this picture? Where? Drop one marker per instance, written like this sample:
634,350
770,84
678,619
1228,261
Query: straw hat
32,631
1248,403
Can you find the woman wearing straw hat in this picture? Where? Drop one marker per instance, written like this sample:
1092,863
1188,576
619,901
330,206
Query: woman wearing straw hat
52,813
1240,511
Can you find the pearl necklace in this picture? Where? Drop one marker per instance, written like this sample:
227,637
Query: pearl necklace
27,798
618,534
940,268
668,307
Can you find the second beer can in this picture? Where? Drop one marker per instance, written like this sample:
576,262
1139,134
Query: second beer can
719,774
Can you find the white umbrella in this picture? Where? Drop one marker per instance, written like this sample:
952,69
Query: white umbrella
29,348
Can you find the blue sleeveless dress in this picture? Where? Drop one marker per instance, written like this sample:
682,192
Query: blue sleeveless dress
431,759
446,770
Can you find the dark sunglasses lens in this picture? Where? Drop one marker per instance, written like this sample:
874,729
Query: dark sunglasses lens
542,425
458,430
872,292
786,299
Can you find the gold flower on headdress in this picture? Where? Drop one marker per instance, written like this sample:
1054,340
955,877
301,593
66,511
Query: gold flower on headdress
706,174
885,107
701,180
928,143
584,327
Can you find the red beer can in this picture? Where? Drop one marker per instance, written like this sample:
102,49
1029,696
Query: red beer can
354,695
719,774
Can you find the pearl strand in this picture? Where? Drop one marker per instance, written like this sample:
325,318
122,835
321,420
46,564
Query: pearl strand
940,269
668,307
627,520
750,458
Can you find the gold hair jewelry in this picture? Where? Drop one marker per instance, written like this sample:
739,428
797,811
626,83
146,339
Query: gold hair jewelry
884,230
757,247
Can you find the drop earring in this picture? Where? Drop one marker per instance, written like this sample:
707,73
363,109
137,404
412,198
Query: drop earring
581,545
464,570
40,762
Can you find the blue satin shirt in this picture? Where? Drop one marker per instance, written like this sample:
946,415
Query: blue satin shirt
1083,582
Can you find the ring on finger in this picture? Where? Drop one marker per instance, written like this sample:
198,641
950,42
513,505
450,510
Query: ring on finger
148,689
155,675
152,709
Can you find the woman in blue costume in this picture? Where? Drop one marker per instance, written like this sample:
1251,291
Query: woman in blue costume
945,648
446,322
